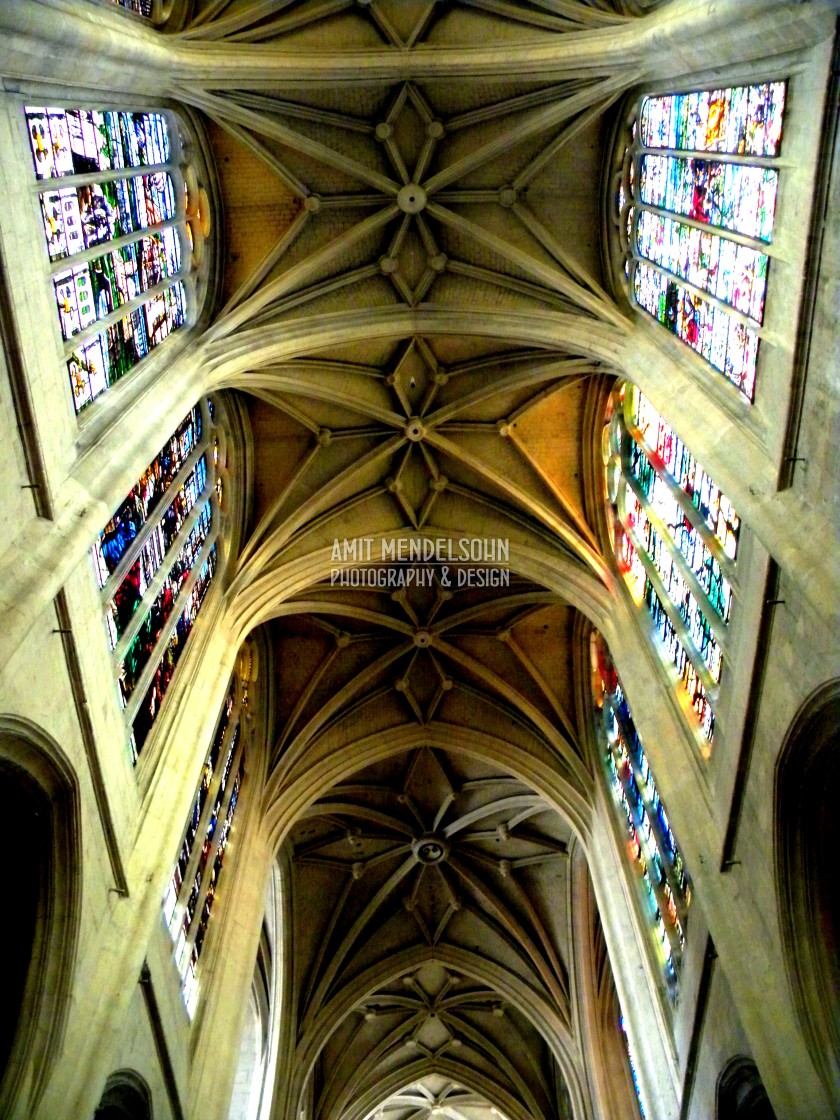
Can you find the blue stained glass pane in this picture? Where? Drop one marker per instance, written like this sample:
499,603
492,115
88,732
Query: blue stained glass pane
651,846
78,218
129,594
682,532
142,646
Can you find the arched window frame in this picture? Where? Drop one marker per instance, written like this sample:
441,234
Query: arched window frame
190,894
200,538
663,894
622,217
704,571
185,168
127,1095
42,1023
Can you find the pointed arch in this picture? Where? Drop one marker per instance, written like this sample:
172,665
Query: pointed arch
40,786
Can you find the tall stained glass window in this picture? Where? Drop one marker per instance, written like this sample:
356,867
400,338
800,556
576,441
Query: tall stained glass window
154,562
113,213
676,542
652,850
189,898
696,206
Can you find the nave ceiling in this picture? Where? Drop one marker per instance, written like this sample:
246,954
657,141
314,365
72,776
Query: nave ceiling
432,896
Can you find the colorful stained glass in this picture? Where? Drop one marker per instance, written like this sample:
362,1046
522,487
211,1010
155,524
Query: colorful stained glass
143,644
85,141
717,182
733,196
743,120
156,691
100,362
191,831
674,457
92,291
651,846
129,594
675,585
722,340
140,503
78,218
676,653
682,532
735,274
189,898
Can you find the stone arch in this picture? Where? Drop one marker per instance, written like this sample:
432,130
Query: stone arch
741,1094
126,1097
41,790
809,907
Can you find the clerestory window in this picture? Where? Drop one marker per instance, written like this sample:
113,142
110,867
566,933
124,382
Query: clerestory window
653,853
675,538
696,206
120,229
154,562
188,902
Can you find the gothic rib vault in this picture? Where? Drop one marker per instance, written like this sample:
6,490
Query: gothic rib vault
417,335
431,888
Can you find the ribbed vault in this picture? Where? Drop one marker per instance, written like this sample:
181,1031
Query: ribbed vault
414,312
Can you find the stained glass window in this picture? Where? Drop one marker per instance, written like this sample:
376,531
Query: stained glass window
631,1062
652,849
108,181
698,198
676,543
189,898
154,562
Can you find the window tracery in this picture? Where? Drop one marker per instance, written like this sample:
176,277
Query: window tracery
696,205
675,538
154,562
652,849
117,217
189,898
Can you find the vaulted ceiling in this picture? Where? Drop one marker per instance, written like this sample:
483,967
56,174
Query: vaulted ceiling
433,955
